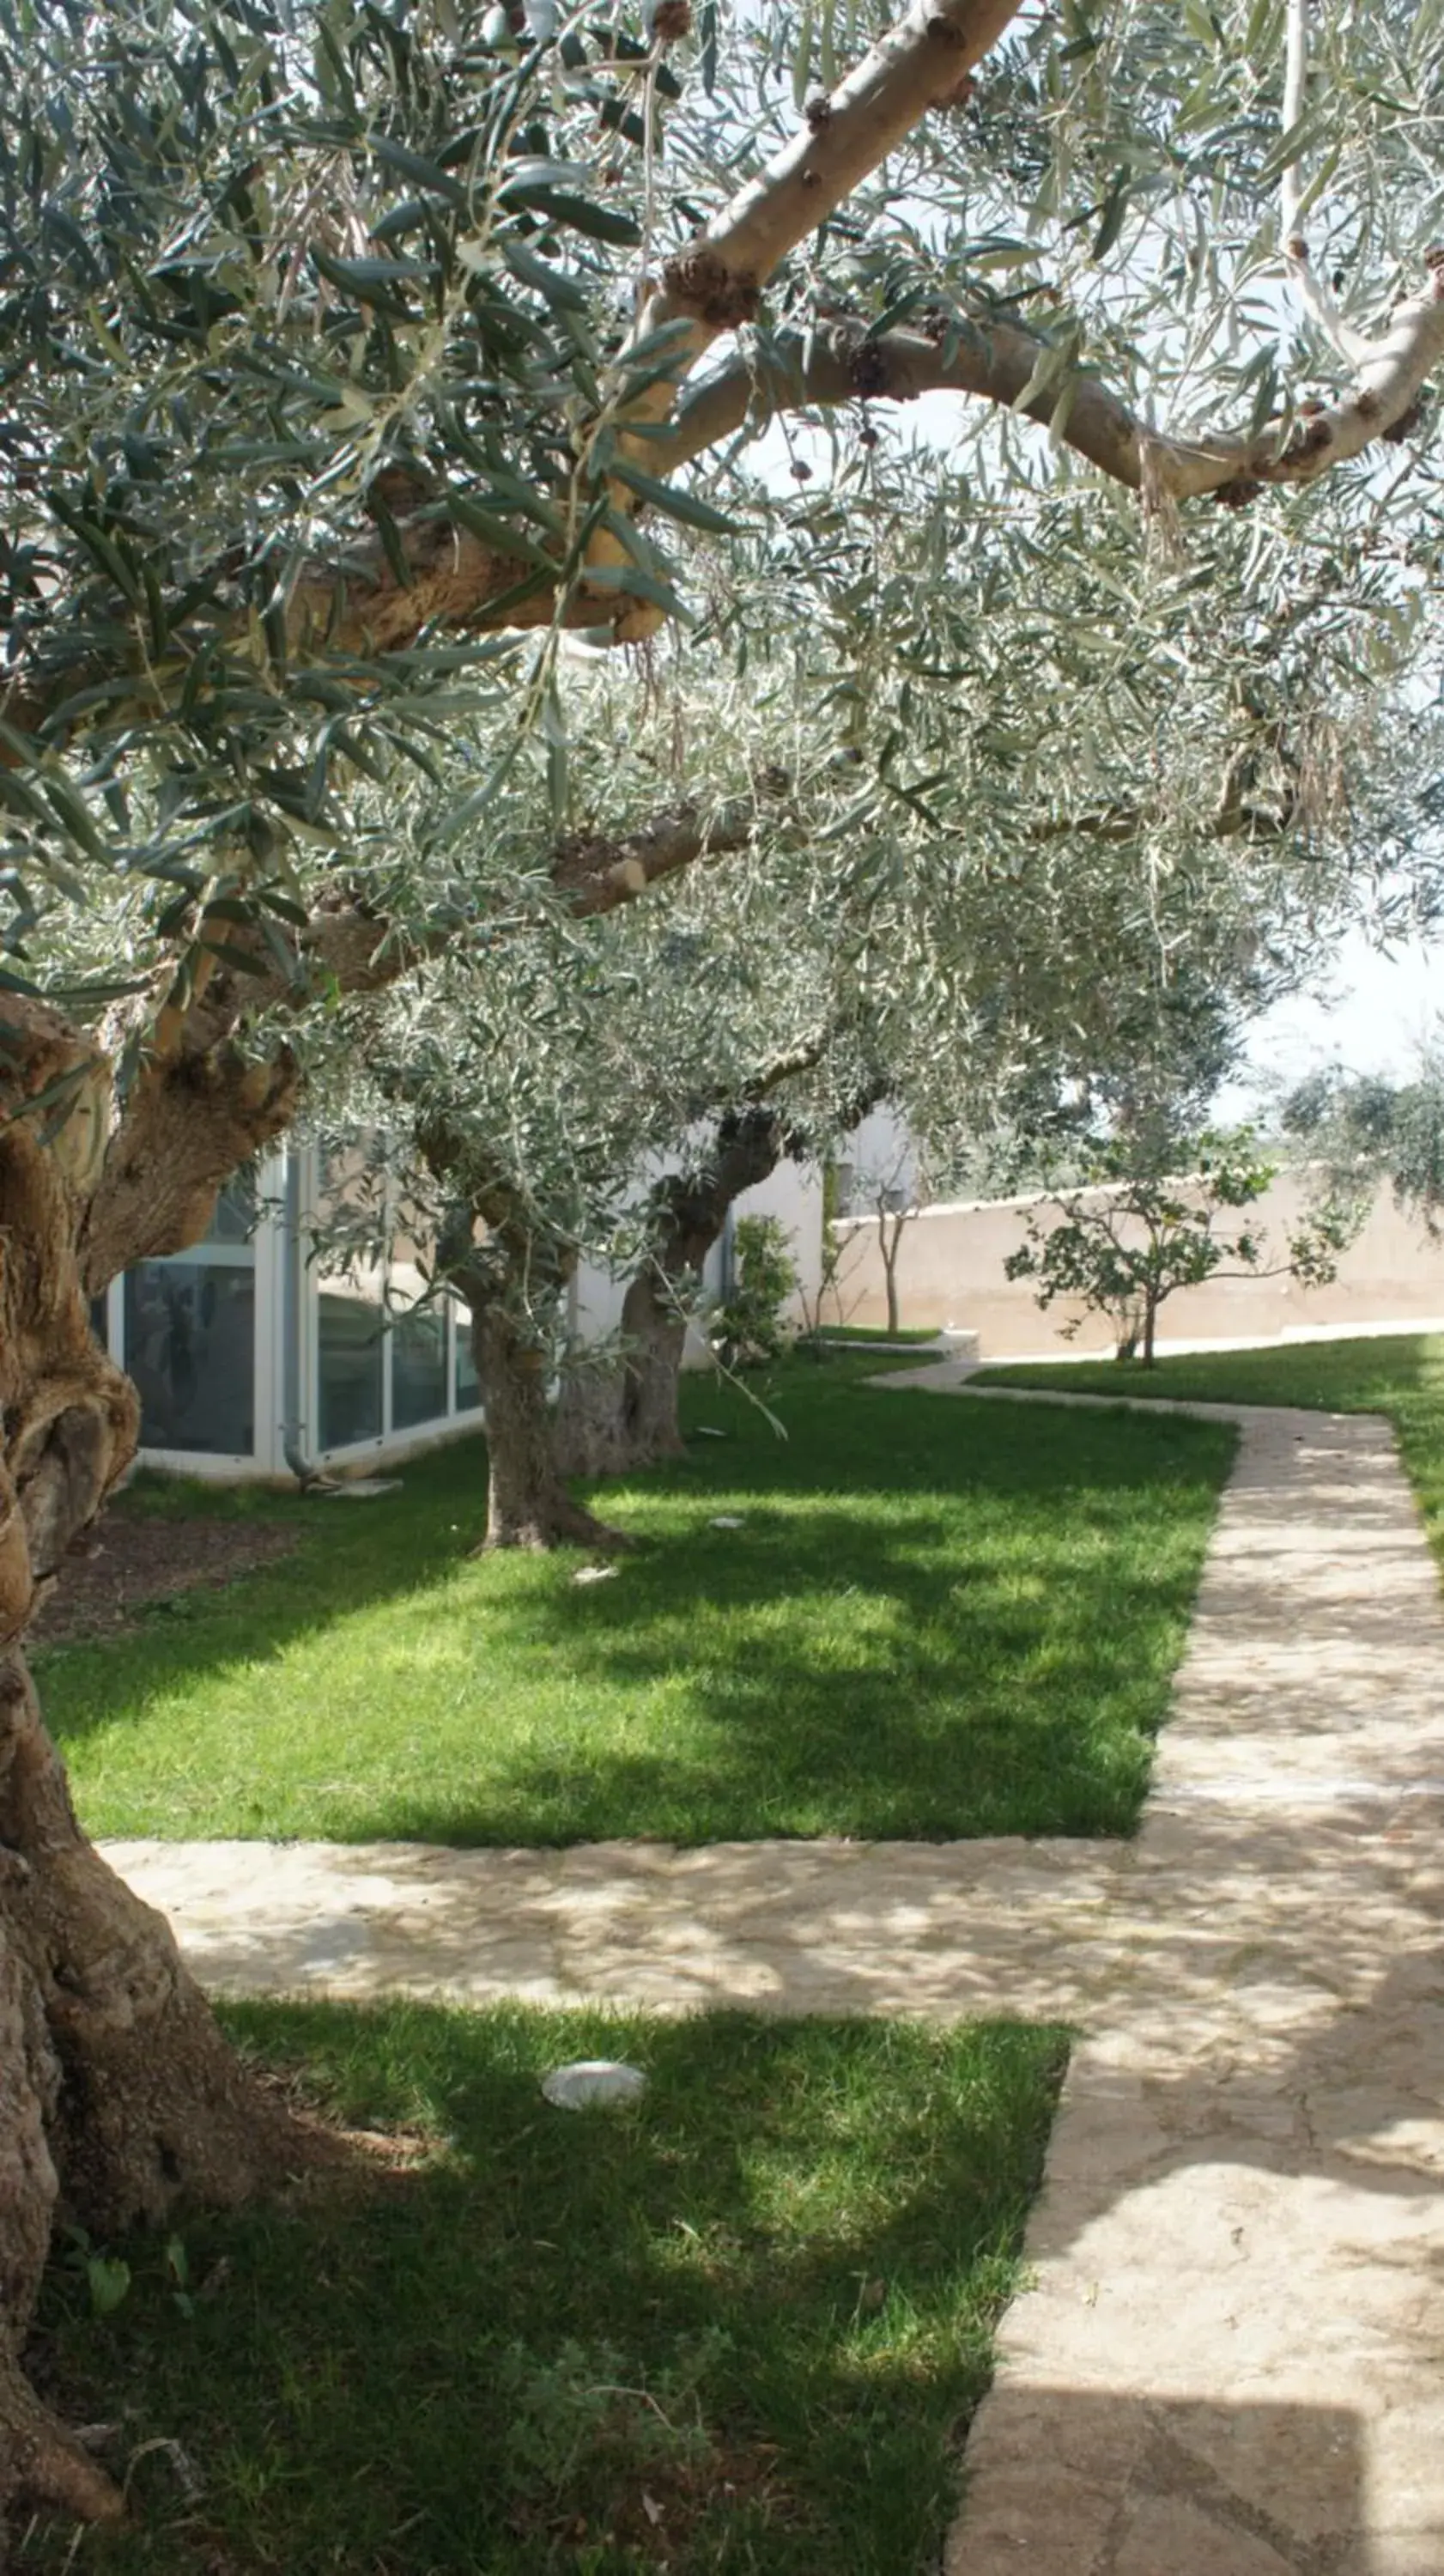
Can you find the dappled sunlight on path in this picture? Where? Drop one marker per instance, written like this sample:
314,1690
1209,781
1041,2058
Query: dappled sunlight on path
937,1930
1229,2365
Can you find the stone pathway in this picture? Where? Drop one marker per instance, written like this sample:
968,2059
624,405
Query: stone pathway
1230,2361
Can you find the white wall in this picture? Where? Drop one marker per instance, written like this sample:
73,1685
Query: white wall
880,1154
950,1271
792,1194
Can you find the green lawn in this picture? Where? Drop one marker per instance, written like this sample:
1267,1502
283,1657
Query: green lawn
936,1619
1400,1375
737,2327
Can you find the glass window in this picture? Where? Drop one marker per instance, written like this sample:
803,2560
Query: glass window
190,1345
418,1366
468,1392
351,1353
418,1324
351,1311
233,1219
100,1320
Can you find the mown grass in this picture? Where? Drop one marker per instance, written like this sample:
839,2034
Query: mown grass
1399,1375
936,1619
932,1621
737,2326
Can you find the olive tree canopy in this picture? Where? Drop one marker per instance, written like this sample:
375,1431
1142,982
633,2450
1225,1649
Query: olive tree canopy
356,355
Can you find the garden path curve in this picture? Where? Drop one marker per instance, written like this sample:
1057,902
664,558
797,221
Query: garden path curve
1229,2363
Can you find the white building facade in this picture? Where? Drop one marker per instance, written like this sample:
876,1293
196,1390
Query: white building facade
256,1357
252,1358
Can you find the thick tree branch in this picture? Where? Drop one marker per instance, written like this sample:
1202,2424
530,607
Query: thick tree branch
996,361
597,874
1236,809
199,1103
842,362
802,1058
717,281
746,1146
184,1128
361,607
450,581
921,63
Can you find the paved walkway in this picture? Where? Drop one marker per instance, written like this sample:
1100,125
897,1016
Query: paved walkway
1230,2362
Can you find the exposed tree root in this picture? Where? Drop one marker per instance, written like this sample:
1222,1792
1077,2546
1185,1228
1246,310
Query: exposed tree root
555,1521
43,2469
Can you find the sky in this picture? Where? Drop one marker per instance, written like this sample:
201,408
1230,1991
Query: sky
1373,1014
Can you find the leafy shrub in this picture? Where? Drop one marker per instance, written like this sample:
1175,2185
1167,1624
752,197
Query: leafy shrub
750,1327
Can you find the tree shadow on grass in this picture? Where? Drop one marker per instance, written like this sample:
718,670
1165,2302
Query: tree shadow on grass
928,1623
900,1661
691,2218
761,2298
973,1716
345,1555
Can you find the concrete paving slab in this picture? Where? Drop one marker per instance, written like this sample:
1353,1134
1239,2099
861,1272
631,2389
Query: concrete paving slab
1239,2250
934,1930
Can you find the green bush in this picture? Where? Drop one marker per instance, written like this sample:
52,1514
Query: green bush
750,1327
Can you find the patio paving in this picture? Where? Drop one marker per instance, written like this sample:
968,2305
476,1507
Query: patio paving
1229,2360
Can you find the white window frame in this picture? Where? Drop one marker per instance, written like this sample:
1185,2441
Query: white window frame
262,1246
268,1252
388,1442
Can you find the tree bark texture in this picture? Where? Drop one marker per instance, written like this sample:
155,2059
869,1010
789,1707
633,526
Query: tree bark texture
118,2097
514,1281
690,1210
527,1502
995,361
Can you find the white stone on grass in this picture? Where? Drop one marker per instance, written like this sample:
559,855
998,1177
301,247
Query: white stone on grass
592,2083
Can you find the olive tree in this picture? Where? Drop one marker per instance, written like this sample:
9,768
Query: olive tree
604,1097
1359,1129
350,361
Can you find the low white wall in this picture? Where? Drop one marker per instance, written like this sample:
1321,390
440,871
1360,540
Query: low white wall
950,1271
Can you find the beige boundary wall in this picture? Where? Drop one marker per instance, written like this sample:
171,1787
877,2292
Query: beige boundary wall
950,1271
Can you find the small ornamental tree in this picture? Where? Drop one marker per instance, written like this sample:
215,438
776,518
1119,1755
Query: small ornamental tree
894,1205
1131,1236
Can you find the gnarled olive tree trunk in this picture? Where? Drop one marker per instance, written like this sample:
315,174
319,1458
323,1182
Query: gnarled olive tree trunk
527,1502
640,1426
514,1282
119,2099
118,2096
